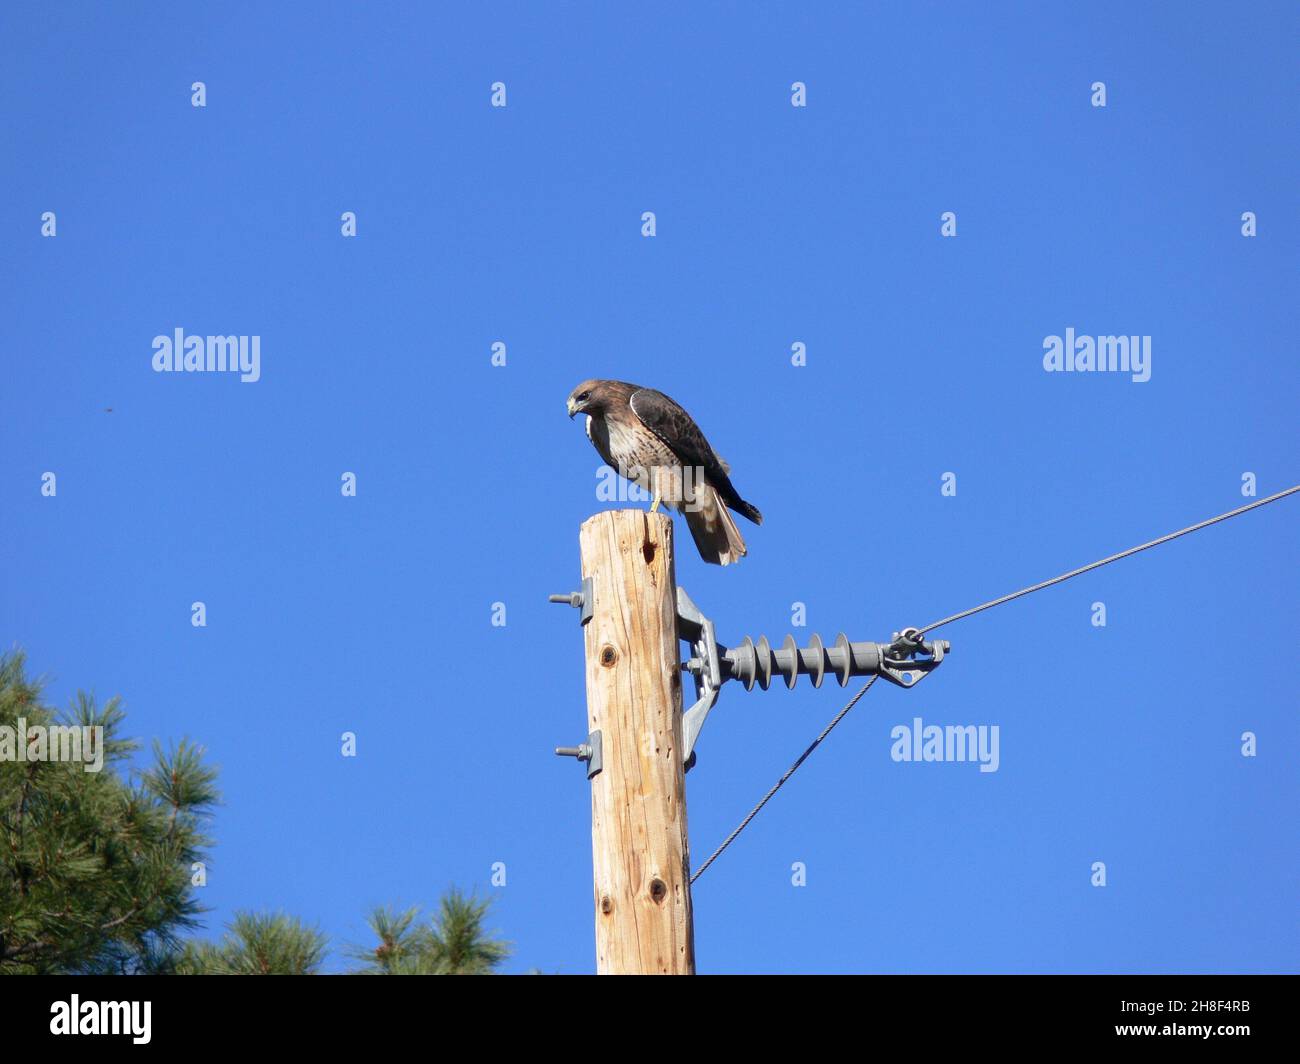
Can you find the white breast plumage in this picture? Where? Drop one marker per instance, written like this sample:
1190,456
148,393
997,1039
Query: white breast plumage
633,450
626,445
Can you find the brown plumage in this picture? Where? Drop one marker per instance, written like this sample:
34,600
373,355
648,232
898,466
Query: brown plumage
656,444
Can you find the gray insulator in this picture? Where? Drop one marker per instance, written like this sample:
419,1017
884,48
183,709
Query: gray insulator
763,662
815,660
741,660
841,659
752,663
787,660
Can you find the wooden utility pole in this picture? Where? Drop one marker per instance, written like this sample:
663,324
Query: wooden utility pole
634,699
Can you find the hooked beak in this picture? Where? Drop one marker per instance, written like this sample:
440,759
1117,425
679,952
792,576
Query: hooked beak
572,407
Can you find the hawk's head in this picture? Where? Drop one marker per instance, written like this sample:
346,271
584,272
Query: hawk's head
589,397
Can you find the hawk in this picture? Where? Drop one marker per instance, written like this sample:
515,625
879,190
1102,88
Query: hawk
656,444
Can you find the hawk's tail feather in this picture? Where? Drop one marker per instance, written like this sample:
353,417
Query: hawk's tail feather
748,509
714,531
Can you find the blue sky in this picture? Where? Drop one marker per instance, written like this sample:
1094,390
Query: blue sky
775,225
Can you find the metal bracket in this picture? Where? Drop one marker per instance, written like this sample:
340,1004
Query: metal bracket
900,663
590,752
698,630
582,600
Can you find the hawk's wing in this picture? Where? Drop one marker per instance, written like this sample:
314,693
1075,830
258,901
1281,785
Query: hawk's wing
678,431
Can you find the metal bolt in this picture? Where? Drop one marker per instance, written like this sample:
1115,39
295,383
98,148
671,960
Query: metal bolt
588,752
582,599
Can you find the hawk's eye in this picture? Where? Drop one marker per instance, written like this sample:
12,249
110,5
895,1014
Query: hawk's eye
584,397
